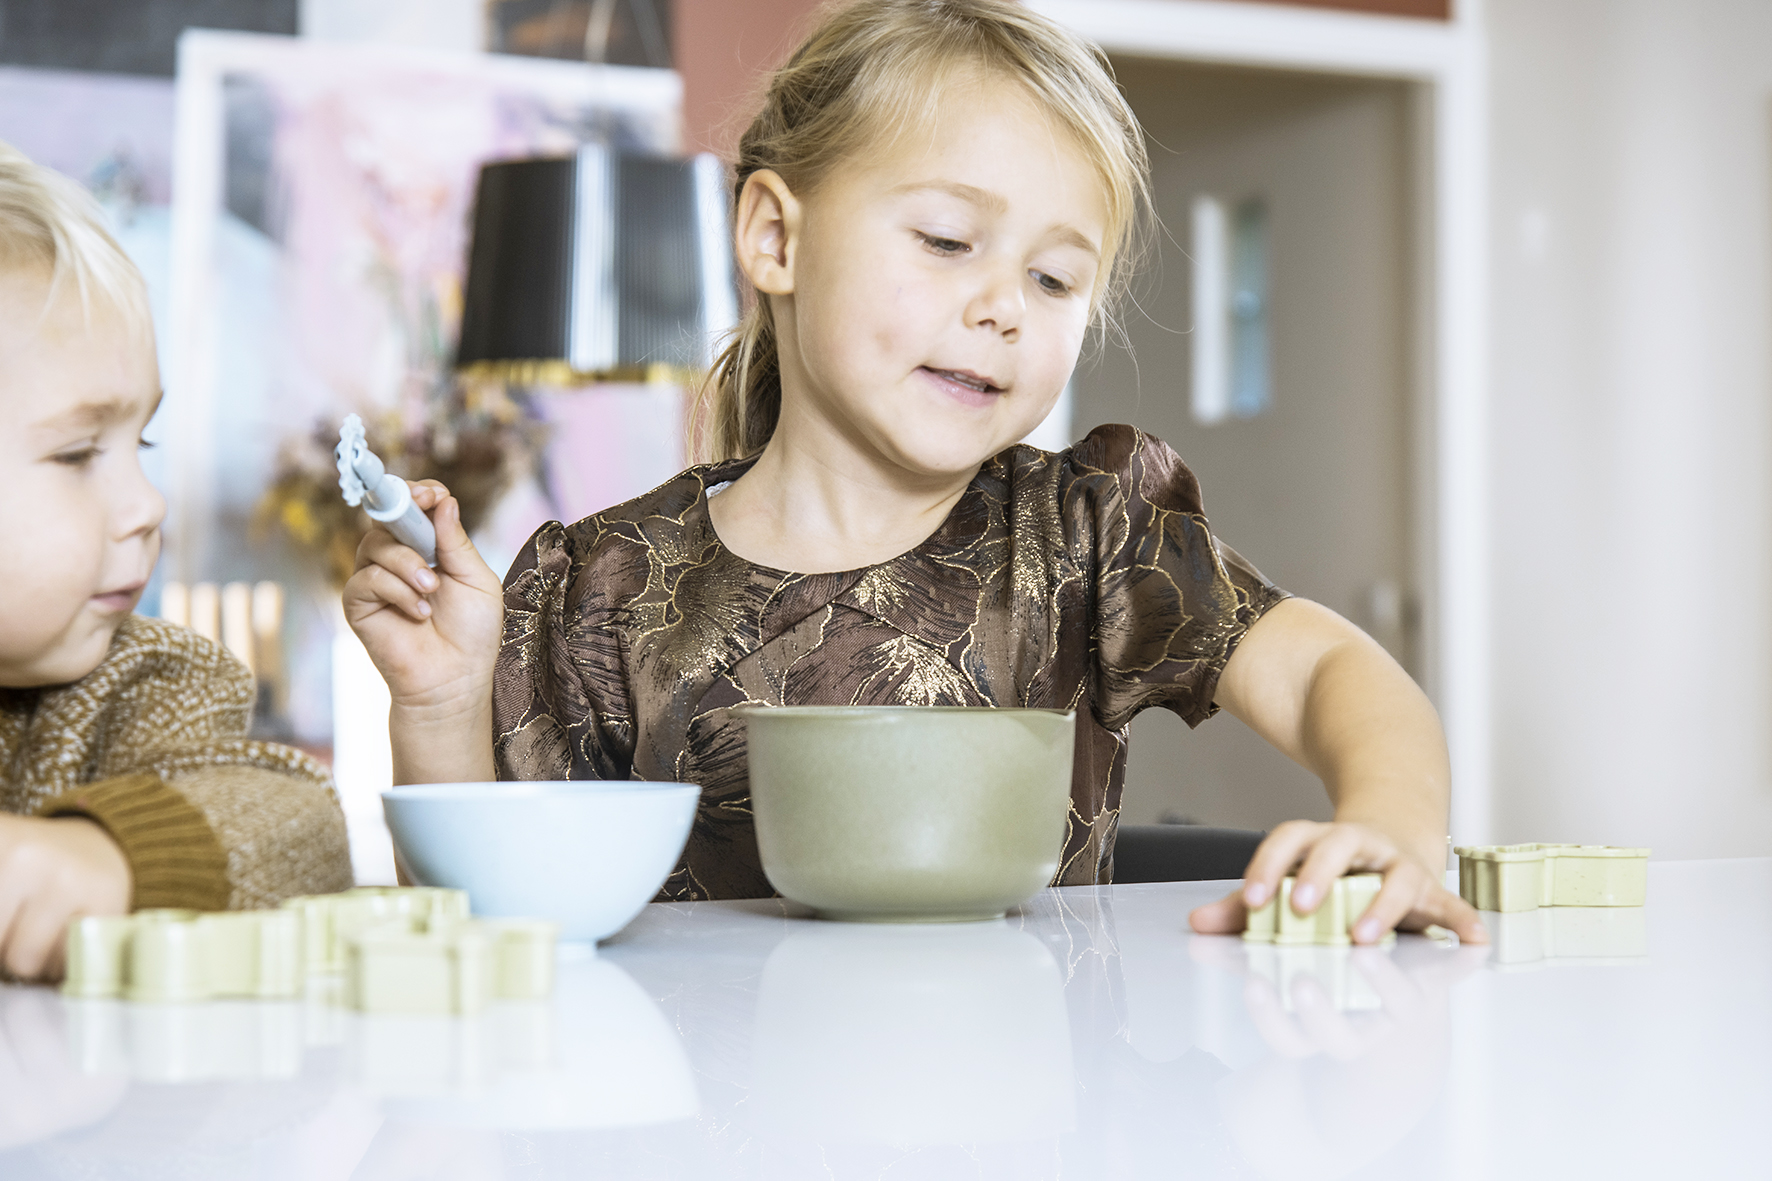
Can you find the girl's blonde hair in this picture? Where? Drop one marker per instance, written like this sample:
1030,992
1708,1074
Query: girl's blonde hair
48,221
872,69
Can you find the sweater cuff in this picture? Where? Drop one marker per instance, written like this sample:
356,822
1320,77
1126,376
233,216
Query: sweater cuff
174,856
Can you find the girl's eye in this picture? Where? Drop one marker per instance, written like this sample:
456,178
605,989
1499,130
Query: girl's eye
79,457
146,444
943,245
1050,284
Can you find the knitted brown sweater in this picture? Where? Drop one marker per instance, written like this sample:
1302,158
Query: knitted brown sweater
152,745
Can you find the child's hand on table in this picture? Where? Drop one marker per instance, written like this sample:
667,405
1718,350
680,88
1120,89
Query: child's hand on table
434,636
1412,897
51,871
1327,696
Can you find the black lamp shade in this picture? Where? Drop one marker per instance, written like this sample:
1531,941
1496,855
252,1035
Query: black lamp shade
601,265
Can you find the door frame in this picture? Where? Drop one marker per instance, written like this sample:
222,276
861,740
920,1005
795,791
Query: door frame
1446,65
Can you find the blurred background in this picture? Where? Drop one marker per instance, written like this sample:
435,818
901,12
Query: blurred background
1461,310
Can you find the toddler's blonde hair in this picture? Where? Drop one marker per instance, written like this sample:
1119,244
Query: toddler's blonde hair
873,69
48,221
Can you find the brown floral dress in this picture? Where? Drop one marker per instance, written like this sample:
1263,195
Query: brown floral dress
1086,580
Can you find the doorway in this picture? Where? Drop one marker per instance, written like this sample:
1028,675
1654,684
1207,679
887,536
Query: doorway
1315,484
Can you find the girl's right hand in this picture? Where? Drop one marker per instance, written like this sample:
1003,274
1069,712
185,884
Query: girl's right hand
433,634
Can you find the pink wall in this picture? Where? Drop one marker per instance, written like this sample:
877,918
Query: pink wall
723,48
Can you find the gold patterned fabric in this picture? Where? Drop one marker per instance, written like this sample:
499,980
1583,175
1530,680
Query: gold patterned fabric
1088,579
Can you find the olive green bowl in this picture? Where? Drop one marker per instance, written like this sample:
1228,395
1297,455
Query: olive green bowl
910,814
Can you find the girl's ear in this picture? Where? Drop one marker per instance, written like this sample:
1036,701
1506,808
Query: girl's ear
768,230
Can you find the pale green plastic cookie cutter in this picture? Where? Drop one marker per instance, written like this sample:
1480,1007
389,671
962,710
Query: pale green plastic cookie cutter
1525,877
407,950
1330,925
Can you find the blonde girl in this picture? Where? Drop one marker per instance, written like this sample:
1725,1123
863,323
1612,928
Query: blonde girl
934,207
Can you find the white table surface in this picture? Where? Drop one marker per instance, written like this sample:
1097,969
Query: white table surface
1089,1037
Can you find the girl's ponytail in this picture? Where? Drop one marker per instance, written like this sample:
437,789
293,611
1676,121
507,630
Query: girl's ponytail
742,400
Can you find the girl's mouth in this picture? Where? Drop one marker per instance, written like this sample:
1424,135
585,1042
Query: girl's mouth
965,385
119,601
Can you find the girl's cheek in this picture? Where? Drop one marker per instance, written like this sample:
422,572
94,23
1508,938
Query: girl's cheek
53,551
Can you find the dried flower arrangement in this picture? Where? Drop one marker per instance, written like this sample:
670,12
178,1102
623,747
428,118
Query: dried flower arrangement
476,437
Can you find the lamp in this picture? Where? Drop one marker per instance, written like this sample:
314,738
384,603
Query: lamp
601,266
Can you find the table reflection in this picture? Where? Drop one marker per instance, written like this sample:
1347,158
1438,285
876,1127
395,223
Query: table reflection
601,1055
912,1036
44,1089
1555,936
1090,1035
1358,1041
306,1088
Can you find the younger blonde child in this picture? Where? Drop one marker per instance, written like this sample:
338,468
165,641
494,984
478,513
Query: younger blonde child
126,777
934,206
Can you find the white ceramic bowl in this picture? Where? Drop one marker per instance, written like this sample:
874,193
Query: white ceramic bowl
587,854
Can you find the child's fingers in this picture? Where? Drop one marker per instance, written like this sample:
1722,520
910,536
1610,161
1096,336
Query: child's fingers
33,947
1275,858
12,897
1227,916
427,494
456,555
1331,855
1443,908
1396,898
380,548
376,586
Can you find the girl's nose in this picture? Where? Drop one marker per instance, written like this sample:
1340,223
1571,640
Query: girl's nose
139,508
999,305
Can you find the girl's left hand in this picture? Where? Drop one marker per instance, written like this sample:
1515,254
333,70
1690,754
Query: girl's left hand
1411,898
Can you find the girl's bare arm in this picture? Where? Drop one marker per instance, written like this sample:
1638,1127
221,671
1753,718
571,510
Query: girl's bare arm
1334,701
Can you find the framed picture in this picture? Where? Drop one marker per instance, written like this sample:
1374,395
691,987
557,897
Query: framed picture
322,195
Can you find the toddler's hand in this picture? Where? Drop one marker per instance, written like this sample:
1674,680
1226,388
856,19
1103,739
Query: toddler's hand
1411,898
433,634
52,871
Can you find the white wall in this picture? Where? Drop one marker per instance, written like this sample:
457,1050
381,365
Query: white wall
1631,429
